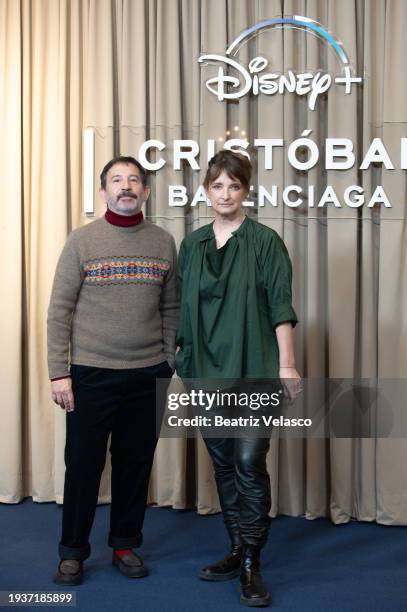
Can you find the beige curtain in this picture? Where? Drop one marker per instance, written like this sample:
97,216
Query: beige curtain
128,68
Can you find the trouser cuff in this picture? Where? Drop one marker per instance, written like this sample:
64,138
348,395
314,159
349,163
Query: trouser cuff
251,542
121,543
234,533
79,553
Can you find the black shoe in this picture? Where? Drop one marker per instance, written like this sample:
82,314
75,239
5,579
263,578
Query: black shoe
69,572
253,590
130,565
226,569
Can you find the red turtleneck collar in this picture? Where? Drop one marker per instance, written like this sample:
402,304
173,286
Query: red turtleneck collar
122,220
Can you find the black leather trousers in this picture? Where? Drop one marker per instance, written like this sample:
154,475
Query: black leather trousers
243,486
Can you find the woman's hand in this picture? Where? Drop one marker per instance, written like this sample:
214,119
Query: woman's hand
291,381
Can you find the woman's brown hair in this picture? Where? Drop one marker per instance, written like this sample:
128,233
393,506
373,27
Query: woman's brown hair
236,166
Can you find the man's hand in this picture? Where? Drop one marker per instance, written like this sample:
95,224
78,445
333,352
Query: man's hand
292,383
62,395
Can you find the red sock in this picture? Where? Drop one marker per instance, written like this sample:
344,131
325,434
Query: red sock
125,551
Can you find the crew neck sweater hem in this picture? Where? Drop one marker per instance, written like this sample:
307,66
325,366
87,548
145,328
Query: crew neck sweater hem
115,364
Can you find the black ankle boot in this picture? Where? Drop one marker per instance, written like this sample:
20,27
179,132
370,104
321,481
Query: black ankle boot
253,590
226,569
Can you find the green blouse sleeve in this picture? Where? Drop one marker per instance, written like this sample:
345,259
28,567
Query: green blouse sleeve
277,279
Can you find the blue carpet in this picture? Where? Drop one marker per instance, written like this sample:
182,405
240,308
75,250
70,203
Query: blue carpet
309,566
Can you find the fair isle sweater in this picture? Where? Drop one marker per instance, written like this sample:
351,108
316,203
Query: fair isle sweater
114,301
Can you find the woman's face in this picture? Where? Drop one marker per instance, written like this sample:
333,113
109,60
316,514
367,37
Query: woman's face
226,195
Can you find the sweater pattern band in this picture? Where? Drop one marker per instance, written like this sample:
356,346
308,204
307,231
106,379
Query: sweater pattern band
125,270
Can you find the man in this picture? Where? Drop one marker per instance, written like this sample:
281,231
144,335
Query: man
111,332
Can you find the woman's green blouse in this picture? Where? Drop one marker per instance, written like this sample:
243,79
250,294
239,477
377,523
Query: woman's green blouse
232,299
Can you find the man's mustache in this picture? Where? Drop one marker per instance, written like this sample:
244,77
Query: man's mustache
127,194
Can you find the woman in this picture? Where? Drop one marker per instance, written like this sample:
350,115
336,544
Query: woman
236,323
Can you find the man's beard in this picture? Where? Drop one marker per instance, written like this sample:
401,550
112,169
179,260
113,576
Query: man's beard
133,207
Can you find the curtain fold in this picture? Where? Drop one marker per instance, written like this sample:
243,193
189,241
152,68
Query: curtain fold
11,228
129,69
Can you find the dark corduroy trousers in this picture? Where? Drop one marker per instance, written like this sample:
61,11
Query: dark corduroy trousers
121,403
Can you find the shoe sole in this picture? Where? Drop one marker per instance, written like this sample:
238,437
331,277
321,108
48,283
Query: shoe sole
141,573
219,577
260,602
71,582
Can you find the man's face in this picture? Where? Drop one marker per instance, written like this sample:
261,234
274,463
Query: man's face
124,193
